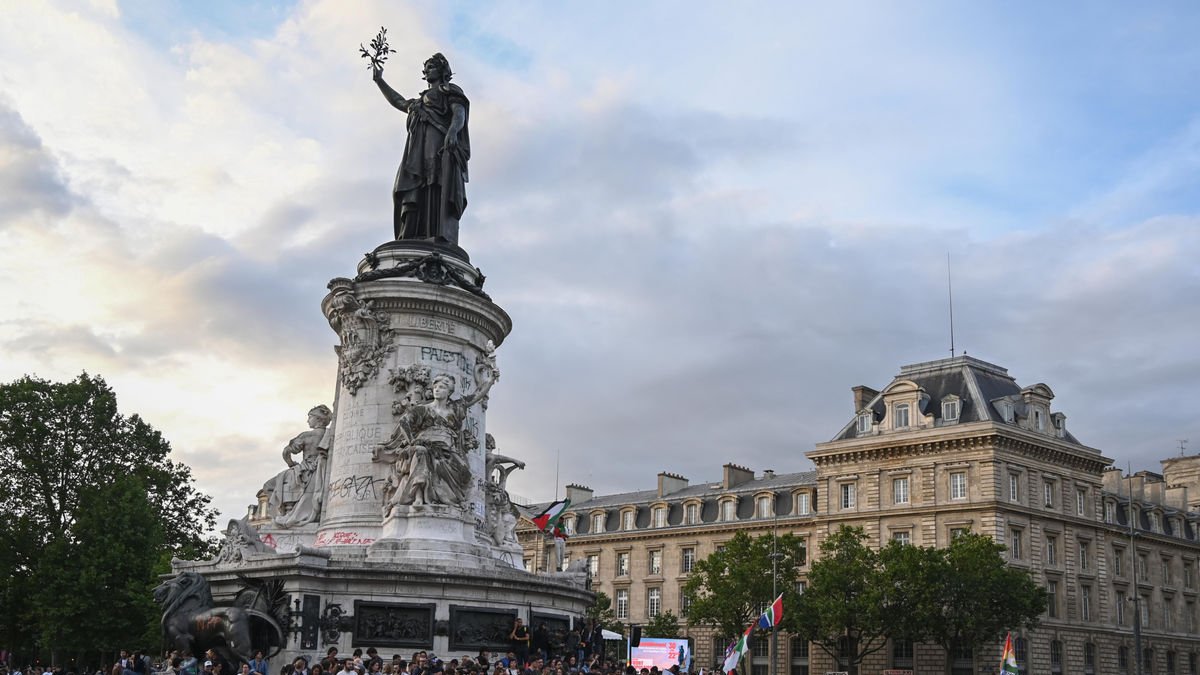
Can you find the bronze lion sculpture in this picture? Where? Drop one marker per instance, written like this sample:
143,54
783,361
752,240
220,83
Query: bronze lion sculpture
192,621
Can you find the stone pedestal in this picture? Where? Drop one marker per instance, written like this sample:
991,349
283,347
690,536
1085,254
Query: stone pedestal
414,307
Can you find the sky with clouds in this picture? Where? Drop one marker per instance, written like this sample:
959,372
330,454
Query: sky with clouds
707,221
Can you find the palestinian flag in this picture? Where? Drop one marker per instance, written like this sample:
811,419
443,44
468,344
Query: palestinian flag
548,521
1008,660
737,650
773,615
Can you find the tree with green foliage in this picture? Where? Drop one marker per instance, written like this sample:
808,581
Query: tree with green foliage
665,625
978,597
94,507
600,612
733,586
844,608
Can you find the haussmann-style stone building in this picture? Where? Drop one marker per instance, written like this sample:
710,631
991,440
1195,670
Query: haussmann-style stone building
948,446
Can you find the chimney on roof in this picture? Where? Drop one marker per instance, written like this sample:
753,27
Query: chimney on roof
862,396
735,475
578,494
768,474
1176,496
670,482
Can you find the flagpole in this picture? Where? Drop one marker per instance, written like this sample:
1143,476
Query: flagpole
774,591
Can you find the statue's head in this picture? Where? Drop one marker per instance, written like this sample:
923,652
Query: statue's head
320,416
437,67
489,442
442,382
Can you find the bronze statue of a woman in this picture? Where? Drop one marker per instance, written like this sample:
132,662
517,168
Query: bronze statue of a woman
429,194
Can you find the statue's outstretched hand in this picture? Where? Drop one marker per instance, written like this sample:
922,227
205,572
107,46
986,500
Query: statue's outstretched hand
376,73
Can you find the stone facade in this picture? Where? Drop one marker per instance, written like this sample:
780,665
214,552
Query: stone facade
948,445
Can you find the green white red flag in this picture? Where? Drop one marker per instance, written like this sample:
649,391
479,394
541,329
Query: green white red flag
738,649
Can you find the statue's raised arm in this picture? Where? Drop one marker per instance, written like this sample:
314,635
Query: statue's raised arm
487,373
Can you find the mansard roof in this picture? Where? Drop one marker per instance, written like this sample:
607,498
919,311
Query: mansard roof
982,389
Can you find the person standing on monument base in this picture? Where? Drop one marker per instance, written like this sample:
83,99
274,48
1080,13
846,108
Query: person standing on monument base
520,641
429,195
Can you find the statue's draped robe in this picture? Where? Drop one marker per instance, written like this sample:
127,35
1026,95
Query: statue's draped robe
430,189
430,467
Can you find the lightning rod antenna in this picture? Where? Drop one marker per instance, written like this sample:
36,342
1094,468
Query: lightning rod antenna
950,297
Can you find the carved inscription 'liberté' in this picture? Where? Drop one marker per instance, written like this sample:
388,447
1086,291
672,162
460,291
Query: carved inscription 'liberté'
436,325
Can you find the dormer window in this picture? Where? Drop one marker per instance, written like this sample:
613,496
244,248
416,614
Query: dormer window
627,520
729,510
864,423
1006,410
691,514
1039,420
950,408
660,516
763,507
900,416
598,523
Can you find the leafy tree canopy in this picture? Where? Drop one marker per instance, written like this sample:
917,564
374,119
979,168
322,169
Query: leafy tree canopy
94,503
733,586
665,625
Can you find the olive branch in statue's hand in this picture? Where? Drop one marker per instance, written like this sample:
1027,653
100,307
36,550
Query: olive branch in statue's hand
379,51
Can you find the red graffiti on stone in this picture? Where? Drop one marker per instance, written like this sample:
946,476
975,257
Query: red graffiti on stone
341,538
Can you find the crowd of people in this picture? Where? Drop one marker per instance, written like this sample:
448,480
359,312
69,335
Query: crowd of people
531,652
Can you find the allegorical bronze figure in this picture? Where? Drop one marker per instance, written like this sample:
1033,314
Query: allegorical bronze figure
429,194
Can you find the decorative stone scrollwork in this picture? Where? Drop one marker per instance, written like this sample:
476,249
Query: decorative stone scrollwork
366,336
240,541
432,269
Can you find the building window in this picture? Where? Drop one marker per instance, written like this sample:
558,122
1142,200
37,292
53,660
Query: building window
900,490
1143,568
1166,572
763,507
802,505
728,510
899,416
1189,619
1110,512
1039,422
902,654
1055,656
1192,663
1051,550
1148,660
569,526
949,411
527,563
803,552
1120,607
848,496
653,602
1155,522
1089,658
903,536
655,560
598,523
689,560
691,514
956,532
958,485
1123,659
1187,576
622,564
685,602
1085,603
1085,556
1014,487
660,517
1170,663
864,423
1014,543
1048,493
1080,502
622,603
760,647
1021,647
1118,561
799,656
1144,610
1168,622
1052,600
627,520
593,563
